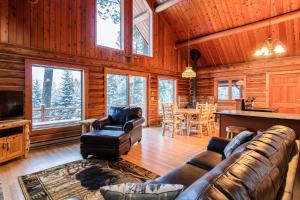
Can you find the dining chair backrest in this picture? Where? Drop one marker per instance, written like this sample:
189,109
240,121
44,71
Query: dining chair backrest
168,111
213,109
200,106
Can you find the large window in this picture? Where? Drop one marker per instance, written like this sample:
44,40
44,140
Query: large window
223,93
167,92
126,90
116,90
56,95
142,28
230,89
110,23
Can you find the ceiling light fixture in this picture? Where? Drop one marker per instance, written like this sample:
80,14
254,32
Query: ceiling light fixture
270,46
188,72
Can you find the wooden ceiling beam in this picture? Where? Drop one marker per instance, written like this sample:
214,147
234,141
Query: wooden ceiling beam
165,5
239,29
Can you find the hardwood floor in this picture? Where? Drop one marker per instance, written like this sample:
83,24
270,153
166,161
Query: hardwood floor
155,153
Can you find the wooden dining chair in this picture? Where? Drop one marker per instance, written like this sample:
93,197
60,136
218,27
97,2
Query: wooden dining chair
171,120
212,124
201,123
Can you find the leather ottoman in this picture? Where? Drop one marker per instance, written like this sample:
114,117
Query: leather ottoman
105,143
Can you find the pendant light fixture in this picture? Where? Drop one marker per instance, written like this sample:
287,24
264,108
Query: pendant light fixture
188,72
270,46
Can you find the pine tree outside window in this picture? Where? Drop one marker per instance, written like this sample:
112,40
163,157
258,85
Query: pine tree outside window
167,92
56,95
142,28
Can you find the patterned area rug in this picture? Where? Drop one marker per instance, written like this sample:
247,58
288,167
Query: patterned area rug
1,194
81,179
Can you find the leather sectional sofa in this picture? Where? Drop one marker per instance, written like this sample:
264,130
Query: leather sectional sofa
262,168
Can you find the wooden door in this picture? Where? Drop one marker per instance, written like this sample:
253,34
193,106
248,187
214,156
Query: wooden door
2,149
285,92
15,146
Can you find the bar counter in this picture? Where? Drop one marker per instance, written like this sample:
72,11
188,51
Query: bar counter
257,120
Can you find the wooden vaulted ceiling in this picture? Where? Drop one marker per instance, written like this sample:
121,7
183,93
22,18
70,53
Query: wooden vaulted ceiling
205,17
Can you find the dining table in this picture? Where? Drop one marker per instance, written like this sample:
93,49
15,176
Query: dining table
188,113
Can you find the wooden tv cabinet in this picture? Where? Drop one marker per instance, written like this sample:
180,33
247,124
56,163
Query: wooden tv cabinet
16,143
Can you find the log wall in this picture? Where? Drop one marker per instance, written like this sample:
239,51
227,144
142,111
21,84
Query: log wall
64,32
254,73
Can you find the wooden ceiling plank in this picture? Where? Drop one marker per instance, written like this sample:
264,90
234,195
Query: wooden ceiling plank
247,27
165,5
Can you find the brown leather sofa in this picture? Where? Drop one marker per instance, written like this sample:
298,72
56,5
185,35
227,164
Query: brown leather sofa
262,168
114,134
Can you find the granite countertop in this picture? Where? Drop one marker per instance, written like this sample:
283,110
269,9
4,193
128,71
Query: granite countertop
260,114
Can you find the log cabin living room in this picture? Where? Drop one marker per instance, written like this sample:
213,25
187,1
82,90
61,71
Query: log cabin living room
149,99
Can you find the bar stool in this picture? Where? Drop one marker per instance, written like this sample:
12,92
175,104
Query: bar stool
233,131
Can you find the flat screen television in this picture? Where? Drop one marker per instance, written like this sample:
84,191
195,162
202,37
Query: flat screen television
11,104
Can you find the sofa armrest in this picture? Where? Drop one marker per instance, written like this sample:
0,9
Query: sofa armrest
217,144
100,123
131,124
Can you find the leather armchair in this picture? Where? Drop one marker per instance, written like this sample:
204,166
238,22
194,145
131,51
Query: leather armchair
127,119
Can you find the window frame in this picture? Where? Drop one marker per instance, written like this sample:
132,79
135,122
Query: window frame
175,90
122,29
29,64
109,70
229,79
150,32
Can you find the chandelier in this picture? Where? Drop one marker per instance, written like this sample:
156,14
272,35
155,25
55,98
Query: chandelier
270,46
188,72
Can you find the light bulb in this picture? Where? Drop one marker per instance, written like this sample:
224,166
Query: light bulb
279,49
258,53
266,51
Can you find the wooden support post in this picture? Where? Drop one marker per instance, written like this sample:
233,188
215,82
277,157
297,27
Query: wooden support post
43,112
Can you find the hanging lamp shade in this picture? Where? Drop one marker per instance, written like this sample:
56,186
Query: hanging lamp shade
188,73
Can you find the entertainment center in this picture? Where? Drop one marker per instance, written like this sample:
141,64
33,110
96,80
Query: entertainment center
14,139
14,130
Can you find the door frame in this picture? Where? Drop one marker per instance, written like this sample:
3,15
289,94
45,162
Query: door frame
268,82
109,70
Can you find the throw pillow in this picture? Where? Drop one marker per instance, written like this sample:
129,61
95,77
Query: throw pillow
239,139
145,191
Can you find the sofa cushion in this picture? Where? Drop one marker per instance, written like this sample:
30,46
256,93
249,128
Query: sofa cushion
239,139
275,144
247,175
185,175
118,115
206,160
133,112
106,137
